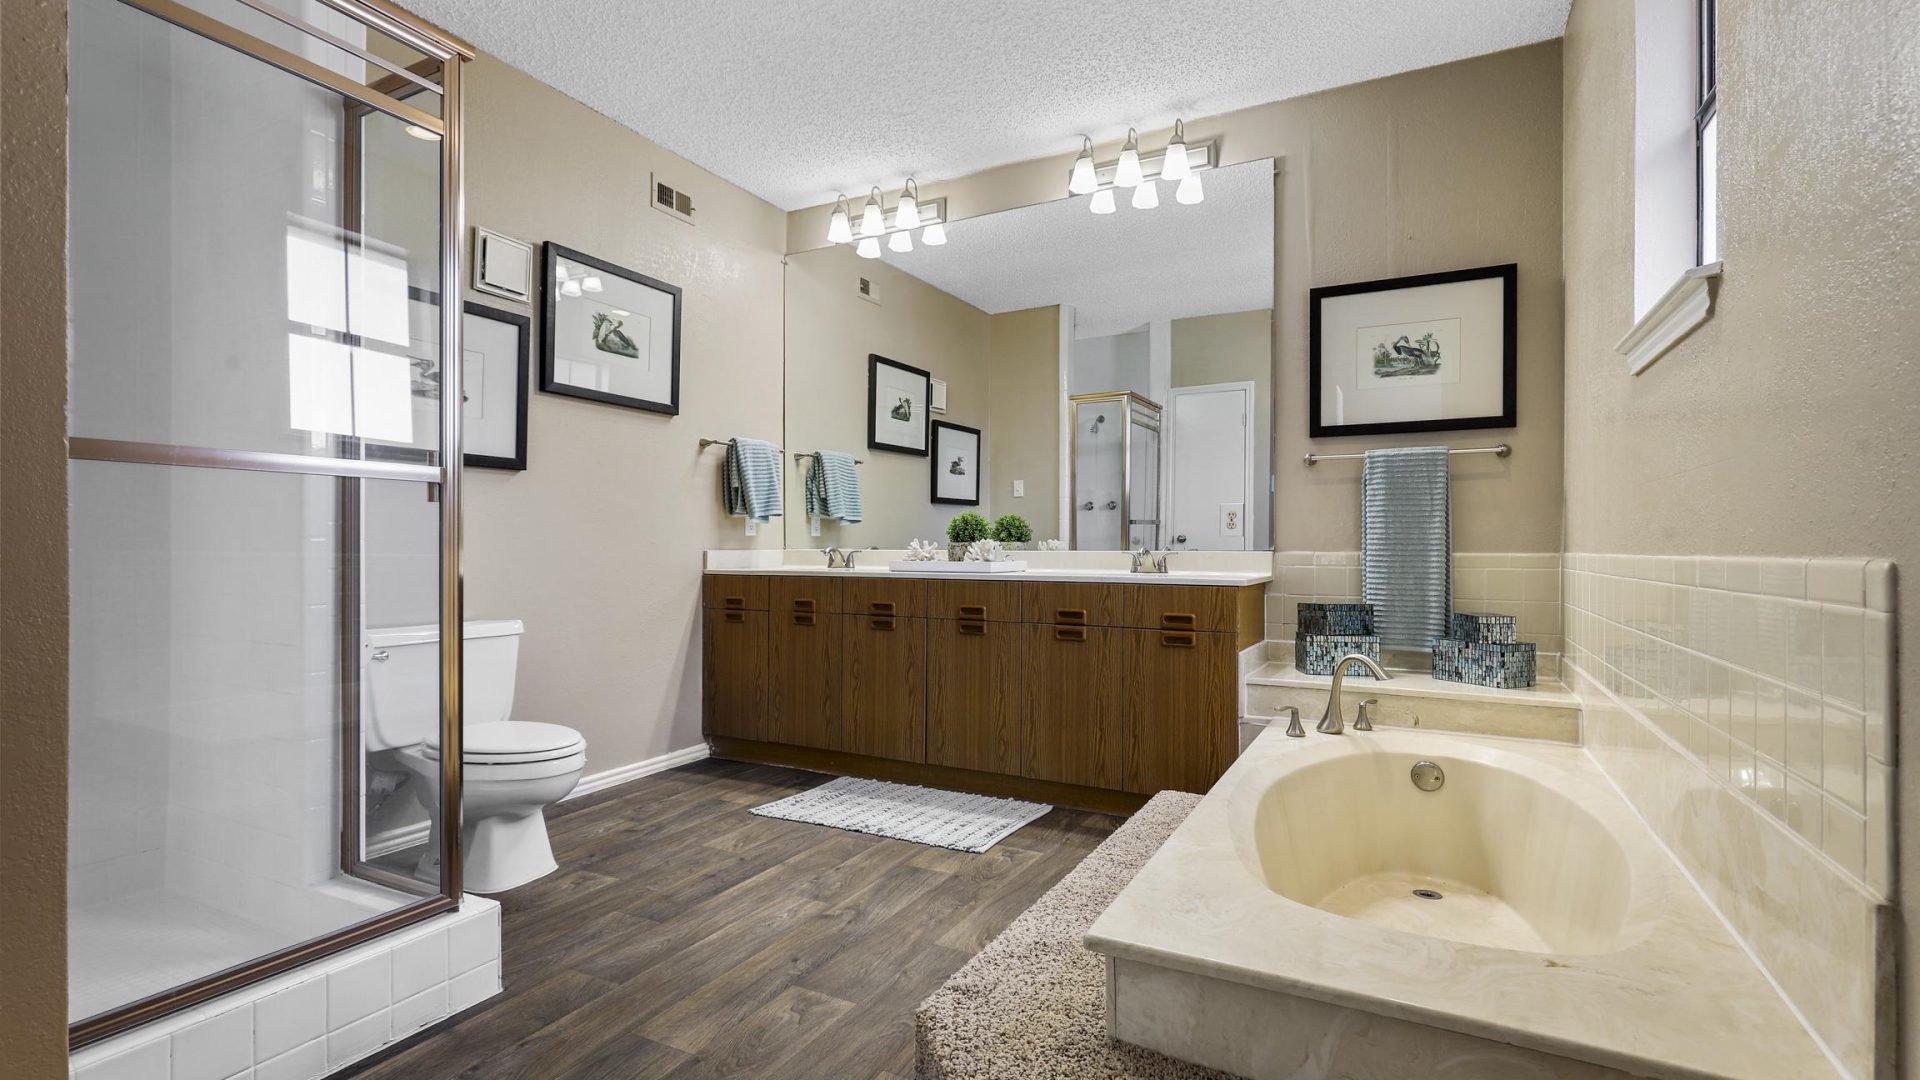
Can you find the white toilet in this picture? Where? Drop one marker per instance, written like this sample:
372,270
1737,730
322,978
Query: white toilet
512,770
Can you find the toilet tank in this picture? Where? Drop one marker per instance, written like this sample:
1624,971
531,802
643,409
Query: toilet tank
401,669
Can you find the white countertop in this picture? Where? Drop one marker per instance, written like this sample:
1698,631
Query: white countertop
1190,577
1228,569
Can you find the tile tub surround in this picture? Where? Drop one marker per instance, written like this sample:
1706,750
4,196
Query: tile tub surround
1626,994
321,1017
1414,699
1745,707
1525,585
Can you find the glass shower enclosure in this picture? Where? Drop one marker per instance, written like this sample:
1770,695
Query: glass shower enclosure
263,235
1115,475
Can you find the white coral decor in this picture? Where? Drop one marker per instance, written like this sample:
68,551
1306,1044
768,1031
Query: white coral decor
984,551
925,551
1052,545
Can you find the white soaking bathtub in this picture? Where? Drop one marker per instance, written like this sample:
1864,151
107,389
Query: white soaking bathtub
1319,915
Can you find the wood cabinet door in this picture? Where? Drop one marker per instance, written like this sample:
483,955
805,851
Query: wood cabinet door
883,687
803,684
1180,709
733,674
973,694
1072,723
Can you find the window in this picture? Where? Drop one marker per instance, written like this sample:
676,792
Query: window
1706,136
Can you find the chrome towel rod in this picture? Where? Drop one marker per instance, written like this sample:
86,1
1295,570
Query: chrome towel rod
1502,450
798,455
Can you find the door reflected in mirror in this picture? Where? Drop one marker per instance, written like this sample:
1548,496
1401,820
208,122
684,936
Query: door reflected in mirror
1111,375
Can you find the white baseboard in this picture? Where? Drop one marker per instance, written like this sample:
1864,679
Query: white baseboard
673,759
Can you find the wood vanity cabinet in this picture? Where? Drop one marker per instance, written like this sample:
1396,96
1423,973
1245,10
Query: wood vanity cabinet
733,676
1181,708
974,669
803,662
883,687
1072,730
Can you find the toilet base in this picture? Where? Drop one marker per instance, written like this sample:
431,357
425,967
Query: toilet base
503,837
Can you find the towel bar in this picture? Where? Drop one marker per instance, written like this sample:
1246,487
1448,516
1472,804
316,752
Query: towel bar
1502,450
799,456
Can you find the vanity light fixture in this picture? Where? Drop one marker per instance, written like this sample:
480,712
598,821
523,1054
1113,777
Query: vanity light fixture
901,242
1189,191
906,215
1083,181
1103,201
934,235
1175,165
872,221
1128,174
868,248
840,226
1146,195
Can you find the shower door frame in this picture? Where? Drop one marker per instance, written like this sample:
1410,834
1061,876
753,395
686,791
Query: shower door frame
1133,406
441,479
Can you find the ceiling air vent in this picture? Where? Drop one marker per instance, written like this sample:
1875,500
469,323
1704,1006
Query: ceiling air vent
671,200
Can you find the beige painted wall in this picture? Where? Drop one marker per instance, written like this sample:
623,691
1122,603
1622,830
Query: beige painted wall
598,544
1439,169
1786,425
1236,347
33,540
1024,419
830,332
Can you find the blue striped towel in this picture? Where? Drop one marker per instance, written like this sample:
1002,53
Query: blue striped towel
833,487
750,479
1406,545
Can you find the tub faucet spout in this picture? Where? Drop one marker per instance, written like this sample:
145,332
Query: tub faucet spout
1330,721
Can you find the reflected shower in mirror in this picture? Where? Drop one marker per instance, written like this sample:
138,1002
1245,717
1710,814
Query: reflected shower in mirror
1118,367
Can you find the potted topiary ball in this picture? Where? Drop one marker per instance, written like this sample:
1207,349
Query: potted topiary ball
1012,531
966,527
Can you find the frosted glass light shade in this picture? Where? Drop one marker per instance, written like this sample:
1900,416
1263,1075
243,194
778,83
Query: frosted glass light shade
1083,181
1128,173
901,242
907,214
868,248
934,235
1103,201
839,229
1146,196
1189,191
872,221
1176,165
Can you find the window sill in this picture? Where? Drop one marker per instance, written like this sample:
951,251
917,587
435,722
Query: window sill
1684,306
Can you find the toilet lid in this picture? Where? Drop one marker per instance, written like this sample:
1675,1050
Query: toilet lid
512,742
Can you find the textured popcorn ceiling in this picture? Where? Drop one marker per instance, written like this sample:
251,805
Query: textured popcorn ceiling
1118,270
796,101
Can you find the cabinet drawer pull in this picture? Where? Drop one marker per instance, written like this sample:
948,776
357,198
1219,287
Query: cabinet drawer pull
805,604
803,618
734,616
1178,641
1070,633
1178,620
734,601
1070,615
973,611
882,607
973,628
884,622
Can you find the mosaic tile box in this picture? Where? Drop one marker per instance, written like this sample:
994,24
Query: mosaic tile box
1315,654
1477,626
1351,620
1484,663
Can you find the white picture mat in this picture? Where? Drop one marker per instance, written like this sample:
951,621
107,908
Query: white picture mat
1479,389
490,384
890,384
645,315
949,443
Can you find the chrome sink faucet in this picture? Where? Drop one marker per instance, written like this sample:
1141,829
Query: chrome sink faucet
839,558
1330,721
1146,562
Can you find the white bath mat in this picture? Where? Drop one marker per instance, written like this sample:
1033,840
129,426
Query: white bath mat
945,819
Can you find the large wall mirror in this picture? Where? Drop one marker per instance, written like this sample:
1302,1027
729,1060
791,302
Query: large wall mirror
1106,377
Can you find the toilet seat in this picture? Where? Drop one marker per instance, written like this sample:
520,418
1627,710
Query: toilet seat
512,742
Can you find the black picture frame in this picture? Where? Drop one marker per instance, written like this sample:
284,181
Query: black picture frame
1506,273
874,363
935,457
551,252
522,368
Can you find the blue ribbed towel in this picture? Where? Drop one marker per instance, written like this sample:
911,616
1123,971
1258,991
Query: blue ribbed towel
750,479
1406,545
833,487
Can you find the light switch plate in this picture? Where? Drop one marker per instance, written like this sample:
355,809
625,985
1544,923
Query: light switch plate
1019,489
753,527
813,526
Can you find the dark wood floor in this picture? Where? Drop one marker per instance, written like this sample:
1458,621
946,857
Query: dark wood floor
683,937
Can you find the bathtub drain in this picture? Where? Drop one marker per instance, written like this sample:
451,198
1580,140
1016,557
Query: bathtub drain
1427,894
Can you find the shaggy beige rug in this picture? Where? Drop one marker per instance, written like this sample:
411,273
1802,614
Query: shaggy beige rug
1032,1004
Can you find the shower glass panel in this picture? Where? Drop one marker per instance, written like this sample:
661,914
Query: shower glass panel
1116,471
260,240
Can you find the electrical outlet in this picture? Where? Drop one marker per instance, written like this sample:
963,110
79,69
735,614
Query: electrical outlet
1019,489
753,527
1232,518
813,526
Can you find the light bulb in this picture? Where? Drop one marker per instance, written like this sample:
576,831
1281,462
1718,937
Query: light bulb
901,242
1103,201
1146,196
872,221
1189,191
1083,180
934,235
868,248
1128,173
839,227
1175,165
592,283
907,214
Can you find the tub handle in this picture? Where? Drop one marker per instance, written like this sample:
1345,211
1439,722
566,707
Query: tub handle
380,656
1364,721
1294,730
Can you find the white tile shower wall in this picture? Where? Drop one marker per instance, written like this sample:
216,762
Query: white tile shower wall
1745,707
1525,585
319,1018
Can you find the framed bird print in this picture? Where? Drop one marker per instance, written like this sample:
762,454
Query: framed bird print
1432,352
897,398
609,334
956,464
